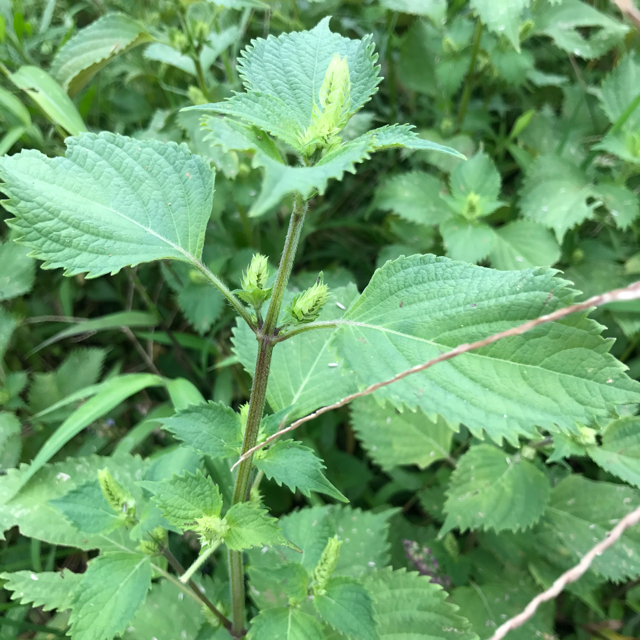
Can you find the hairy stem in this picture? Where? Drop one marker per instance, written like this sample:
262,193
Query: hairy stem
265,336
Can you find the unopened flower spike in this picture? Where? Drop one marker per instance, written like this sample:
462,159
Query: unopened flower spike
306,306
254,282
119,499
326,565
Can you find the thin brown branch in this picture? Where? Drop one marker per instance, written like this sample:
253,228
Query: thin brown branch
569,576
629,10
632,292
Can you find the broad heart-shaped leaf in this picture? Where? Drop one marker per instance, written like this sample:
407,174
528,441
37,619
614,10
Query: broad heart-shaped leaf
17,270
111,592
88,510
491,489
619,453
467,240
523,244
289,462
285,623
580,514
502,18
292,67
304,373
184,499
393,439
111,202
251,526
212,429
557,194
408,605
49,590
347,607
416,308
620,89
93,47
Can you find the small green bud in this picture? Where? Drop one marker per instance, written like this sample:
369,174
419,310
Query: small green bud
526,28
211,530
254,282
153,545
179,40
244,414
451,545
527,452
326,565
200,31
196,96
119,499
587,435
449,47
306,306
472,209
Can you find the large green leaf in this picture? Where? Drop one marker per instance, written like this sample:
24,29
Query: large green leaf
523,244
491,489
111,202
93,47
304,373
393,439
416,308
408,605
111,592
50,97
251,526
17,270
502,18
620,89
49,590
285,623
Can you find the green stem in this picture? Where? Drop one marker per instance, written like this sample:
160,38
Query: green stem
200,560
265,335
468,85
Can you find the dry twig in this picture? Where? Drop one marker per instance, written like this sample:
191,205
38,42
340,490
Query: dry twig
629,10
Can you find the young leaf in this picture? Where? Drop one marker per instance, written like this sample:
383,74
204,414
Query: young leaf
93,47
250,526
111,202
619,453
408,605
393,439
285,623
503,19
288,462
111,592
493,490
523,244
18,270
49,590
416,308
184,499
347,607
580,514
478,176
212,429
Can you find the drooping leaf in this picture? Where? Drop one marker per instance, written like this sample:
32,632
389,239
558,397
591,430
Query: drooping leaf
183,499
416,308
93,47
17,270
111,202
251,526
491,489
49,590
212,429
346,606
407,605
502,18
580,514
619,452
393,439
288,462
304,373
523,244
111,592
285,623
50,97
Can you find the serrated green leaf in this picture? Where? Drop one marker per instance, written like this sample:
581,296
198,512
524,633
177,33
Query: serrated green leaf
112,590
491,489
619,452
393,439
251,526
7,327
467,240
285,623
403,136
277,586
288,462
622,204
111,202
10,440
87,509
17,270
580,514
407,605
478,176
347,607
503,18
49,590
304,374
211,429
422,306
93,47
50,97
523,244
557,194
620,89
184,499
